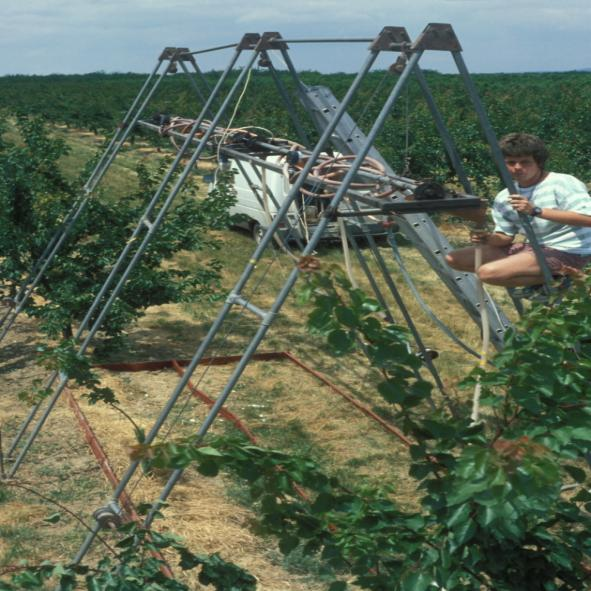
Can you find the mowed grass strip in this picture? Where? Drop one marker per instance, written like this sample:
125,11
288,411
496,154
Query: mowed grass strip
286,409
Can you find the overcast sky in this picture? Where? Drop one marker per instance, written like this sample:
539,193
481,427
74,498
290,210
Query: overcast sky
79,36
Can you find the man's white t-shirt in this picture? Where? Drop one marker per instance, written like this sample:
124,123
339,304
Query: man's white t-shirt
556,191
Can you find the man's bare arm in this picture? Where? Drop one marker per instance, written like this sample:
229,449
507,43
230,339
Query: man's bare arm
568,218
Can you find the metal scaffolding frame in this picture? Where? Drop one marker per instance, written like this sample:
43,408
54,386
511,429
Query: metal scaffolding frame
166,64
133,249
336,128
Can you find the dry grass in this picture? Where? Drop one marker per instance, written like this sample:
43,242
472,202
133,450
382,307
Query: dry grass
286,408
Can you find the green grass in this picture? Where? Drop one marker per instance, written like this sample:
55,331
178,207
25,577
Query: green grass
258,397
19,540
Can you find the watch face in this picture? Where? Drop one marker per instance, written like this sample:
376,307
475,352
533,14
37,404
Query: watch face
536,211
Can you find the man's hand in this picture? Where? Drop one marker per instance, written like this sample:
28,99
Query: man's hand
490,238
521,204
479,236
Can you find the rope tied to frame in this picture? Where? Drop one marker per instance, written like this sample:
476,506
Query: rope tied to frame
485,327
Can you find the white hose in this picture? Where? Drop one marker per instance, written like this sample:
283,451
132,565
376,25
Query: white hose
485,334
346,254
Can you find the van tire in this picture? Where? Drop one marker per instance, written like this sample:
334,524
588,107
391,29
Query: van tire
257,232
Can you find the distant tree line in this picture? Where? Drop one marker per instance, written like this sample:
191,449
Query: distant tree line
554,106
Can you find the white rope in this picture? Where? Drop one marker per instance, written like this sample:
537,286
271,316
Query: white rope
485,334
346,253
268,216
302,219
236,107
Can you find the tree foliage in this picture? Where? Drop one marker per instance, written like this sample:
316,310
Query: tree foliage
551,105
493,510
35,198
136,563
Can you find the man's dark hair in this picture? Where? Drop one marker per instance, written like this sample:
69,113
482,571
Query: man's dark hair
524,144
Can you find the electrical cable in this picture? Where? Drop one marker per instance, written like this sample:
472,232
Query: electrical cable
423,305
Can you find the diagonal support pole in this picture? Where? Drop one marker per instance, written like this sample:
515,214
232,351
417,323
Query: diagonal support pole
124,129
152,228
217,324
287,287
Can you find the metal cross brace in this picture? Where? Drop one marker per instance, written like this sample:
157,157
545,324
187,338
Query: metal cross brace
123,267
28,285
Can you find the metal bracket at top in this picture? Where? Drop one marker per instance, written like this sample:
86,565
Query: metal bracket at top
176,53
167,53
391,39
272,40
438,37
249,41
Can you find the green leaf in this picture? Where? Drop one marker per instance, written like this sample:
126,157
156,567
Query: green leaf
338,586
288,544
346,316
577,474
209,451
92,584
416,582
188,560
53,518
391,391
421,470
340,341
459,516
464,532
208,468
324,502
370,305
440,429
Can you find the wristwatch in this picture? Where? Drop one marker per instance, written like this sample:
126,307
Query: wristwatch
536,211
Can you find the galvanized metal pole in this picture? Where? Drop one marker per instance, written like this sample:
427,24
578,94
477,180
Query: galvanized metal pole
118,139
368,274
181,180
152,227
386,275
448,142
303,136
193,83
500,162
269,317
217,324
125,128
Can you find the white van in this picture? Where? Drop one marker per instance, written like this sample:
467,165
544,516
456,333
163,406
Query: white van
261,192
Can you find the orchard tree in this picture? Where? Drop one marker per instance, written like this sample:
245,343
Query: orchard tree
504,500
35,196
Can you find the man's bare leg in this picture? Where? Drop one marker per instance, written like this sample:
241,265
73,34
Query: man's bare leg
463,258
512,271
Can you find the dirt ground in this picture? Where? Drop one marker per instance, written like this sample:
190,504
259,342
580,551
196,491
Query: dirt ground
285,407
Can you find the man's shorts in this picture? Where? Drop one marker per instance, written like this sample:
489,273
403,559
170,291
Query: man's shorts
556,259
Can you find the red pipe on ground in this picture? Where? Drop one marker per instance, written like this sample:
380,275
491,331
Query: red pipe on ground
105,465
270,356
